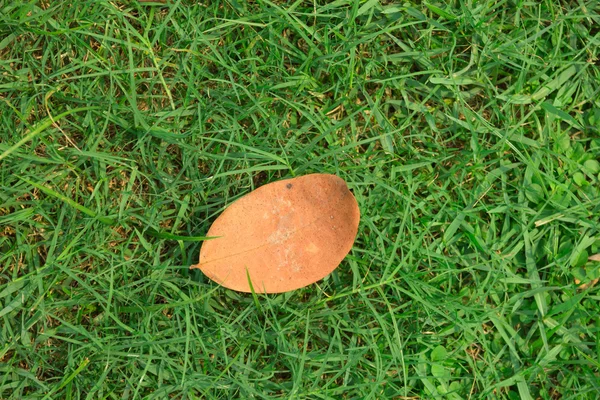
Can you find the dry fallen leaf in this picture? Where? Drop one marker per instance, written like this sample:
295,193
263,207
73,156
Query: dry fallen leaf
583,286
284,235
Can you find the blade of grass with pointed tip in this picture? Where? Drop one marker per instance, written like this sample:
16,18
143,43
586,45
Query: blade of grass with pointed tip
170,236
69,201
253,292
39,128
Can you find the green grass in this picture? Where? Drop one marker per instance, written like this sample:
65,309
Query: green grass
468,131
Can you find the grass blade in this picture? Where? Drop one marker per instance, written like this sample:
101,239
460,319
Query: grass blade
72,203
39,128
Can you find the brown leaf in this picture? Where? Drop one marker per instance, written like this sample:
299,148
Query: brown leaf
284,235
595,257
584,286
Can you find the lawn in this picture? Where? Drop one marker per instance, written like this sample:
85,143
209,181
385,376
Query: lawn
468,131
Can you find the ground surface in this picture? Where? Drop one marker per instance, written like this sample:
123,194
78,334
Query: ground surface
468,131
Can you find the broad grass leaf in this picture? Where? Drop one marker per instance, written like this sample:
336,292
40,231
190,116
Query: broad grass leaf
439,353
591,167
579,179
534,193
